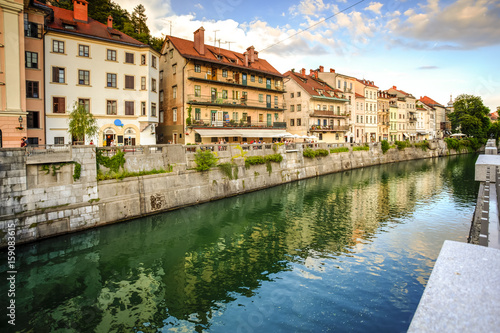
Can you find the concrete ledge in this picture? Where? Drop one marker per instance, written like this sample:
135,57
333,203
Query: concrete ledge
463,292
482,164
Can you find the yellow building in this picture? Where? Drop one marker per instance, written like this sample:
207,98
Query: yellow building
209,94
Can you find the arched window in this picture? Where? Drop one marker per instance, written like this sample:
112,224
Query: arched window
108,135
129,137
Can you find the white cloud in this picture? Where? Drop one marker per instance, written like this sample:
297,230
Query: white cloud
199,6
375,7
312,8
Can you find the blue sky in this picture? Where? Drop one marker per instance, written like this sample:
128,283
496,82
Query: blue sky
436,48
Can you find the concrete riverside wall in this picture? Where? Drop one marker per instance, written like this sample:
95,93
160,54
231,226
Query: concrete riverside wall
37,204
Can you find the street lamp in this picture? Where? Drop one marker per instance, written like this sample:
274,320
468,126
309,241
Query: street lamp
20,123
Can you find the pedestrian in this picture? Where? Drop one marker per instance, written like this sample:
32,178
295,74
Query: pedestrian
91,142
24,142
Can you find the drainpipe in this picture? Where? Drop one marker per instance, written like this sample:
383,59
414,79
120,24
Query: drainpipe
183,98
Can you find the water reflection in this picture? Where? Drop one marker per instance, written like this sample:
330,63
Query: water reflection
351,250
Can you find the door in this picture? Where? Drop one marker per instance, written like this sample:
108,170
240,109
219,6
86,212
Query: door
244,79
214,73
269,120
237,78
268,83
268,101
217,118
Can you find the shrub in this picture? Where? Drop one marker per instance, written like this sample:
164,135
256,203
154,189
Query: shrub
385,146
124,174
309,153
424,145
113,163
204,160
359,148
254,160
274,158
402,144
227,169
339,150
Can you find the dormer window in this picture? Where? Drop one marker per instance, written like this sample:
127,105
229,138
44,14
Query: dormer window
116,36
68,26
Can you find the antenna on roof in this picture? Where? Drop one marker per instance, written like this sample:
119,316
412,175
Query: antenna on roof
170,23
227,42
215,37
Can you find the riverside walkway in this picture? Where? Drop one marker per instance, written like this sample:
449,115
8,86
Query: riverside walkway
462,292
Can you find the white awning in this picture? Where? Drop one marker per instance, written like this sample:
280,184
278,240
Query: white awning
406,134
240,132
217,132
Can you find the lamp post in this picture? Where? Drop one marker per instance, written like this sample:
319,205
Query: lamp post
20,123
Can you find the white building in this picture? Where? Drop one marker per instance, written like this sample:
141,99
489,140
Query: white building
113,75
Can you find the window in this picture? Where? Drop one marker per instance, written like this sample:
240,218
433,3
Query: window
298,93
161,96
129,108
244,116
153,61
299,107
143,108
85,103
32,29
171,53
275,101
83,77
292,108
197,91
292,122
324,108
129,82
299,122
261,118
143,59
235,116
260,79
174,114
174,69
58,75
224,73
224,94
111,55
83,51
58,104
291,95
197,68
111,107
153,85
331,108
276,116
57,46
153,109
59,140
129,58
33,119
143,83
111,80
31,59
161,76
174,92
197,114
252,78
32,89
338,84
261,98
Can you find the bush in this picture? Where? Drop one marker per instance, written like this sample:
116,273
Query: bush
204,160
359,148
274,158
254,160
227,169
402,144
124,174
339,150
385,146
424,145
309,153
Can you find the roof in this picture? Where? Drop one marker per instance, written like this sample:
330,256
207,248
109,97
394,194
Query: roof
359,96
494,116
316,87
367,83
92,29
429,101
401,92
186,49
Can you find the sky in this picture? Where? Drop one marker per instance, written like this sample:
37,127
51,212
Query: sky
433,48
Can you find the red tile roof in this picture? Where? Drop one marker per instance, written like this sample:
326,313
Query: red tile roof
494,116
92,28
313,85
367,83
401,91
359,96
187,50
429,101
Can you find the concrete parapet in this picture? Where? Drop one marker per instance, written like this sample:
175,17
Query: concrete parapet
482,164
462,292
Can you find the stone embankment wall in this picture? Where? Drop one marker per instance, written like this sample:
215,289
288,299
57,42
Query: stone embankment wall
41,198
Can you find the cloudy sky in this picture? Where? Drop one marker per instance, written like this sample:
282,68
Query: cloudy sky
436,48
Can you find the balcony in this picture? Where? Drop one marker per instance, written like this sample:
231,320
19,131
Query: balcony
412,118
237,81
331,128
243,123
242,103
328,114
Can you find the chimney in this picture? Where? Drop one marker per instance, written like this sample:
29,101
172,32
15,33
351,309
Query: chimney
303,72
199,41
311,72
321,69
110,22
251,54
246,58
332,70
256,55
80,8
394,87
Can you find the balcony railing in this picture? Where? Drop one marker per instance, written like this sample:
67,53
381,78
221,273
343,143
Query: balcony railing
322,113
247,123
331,128
236,81
234,103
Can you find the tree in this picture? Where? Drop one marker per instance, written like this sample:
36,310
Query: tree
82,124
139,20
471,116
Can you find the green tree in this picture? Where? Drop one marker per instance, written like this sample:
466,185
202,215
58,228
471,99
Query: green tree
471,116
139,20
81,123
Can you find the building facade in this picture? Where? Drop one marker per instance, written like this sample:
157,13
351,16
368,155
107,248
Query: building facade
407,110
439,125
369,118
110,74
212,94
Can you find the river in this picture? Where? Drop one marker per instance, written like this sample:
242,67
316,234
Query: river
346,252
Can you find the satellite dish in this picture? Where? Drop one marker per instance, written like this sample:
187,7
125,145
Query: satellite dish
118,122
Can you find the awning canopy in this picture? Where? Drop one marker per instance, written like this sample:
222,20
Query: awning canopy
240,132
